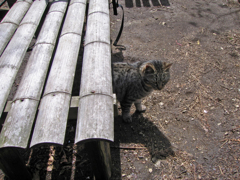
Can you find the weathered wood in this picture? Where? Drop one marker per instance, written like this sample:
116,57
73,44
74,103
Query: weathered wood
11,21
16,130
53,112
19,121
94,118
13,165
100,156
13,55
54,108
95,114
74,104
73,111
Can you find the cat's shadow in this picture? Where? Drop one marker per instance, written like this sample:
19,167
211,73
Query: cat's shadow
140,133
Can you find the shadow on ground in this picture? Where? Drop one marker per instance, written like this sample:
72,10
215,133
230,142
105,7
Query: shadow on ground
141,136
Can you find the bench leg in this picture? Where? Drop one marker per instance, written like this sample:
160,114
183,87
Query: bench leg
13,165
99,154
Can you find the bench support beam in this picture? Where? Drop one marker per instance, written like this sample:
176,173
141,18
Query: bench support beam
100,156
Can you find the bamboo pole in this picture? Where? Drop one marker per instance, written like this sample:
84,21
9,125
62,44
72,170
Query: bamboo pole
11,21
95,113
53,111
13,55
19,121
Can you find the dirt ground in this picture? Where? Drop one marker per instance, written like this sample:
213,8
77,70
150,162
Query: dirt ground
191,129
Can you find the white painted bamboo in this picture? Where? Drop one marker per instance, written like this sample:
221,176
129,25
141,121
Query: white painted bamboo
53,111
95,113
13,55
19,121
11,21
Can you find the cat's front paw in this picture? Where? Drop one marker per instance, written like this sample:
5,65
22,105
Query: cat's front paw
127,118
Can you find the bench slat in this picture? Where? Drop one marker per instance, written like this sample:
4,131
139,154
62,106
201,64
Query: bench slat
11,21
53,112
13,55
95,114
95,118
18,124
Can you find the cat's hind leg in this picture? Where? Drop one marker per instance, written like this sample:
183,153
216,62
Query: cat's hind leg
139,107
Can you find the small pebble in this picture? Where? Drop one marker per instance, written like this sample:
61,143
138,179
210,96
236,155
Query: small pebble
150,170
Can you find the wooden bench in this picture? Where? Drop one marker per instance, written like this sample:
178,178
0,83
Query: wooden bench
39,111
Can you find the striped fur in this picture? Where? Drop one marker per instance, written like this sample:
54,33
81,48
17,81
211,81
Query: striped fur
132,82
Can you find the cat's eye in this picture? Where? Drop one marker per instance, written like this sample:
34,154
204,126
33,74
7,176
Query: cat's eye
163,76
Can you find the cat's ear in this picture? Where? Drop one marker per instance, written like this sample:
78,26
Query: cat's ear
166,66
147,68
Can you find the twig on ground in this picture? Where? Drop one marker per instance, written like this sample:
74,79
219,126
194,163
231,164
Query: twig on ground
224,143
221,170
29,158
74,159
194,173
50,163
234,128
224,87
195,103
235,140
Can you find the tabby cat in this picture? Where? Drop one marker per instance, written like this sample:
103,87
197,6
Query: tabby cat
132,82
